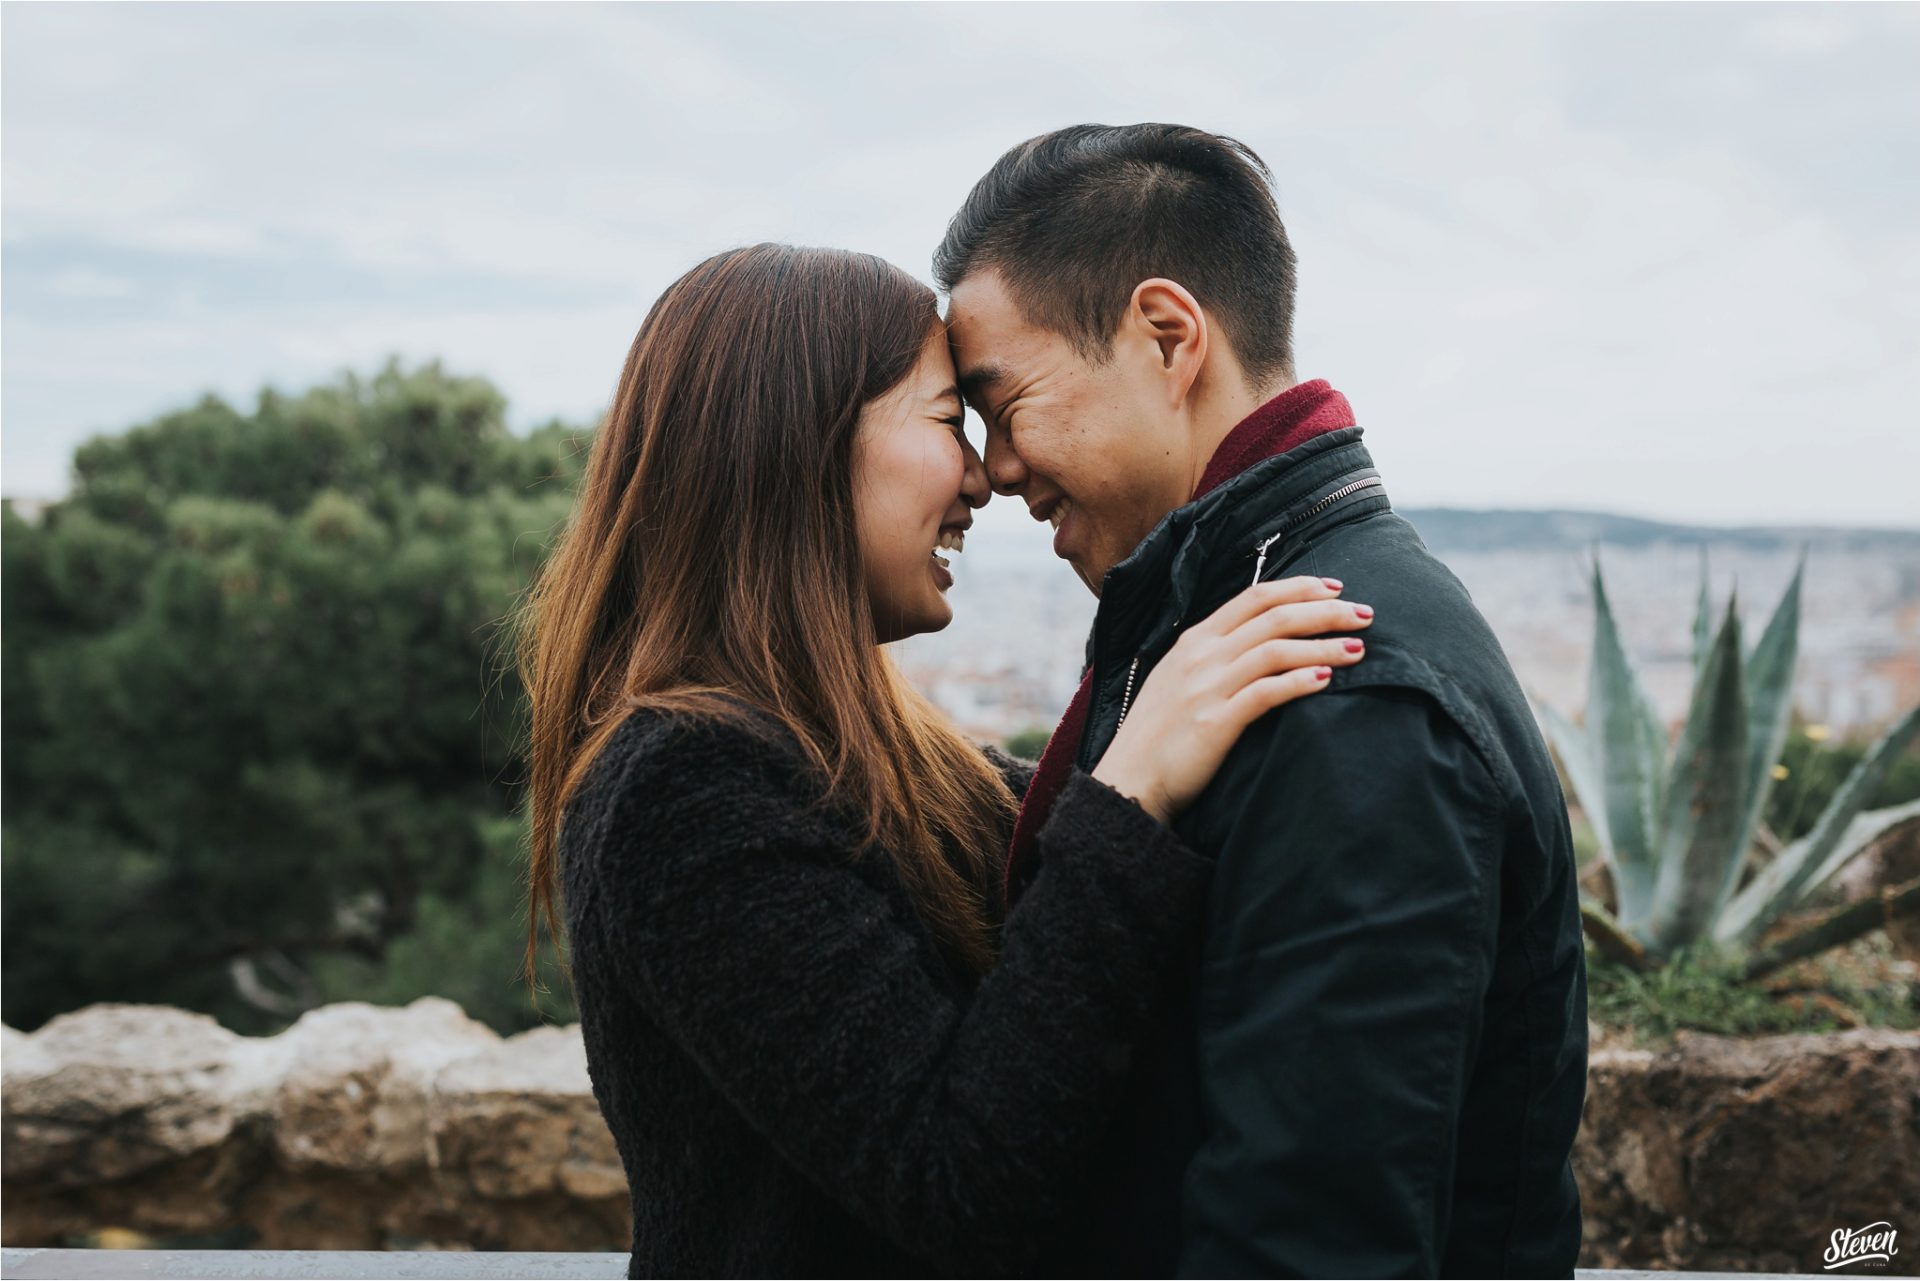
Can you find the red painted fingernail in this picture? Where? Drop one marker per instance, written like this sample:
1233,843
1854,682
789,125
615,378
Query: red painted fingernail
1333,583
1355,646
1322,673
1365,611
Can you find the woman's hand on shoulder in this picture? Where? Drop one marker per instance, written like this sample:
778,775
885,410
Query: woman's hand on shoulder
1264,647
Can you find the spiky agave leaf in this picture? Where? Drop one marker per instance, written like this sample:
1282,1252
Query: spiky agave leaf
1630,746
1700,850
1575,749
1702,620
1574,746
1770,700
1863,831
1822,851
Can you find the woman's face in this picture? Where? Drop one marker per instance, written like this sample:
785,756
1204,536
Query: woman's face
916,481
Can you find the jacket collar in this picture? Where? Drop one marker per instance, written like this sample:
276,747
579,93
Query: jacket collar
1159,585
1283,423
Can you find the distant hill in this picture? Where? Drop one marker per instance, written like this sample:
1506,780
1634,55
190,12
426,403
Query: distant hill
1459,529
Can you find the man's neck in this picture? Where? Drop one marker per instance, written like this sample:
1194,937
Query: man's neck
1216,417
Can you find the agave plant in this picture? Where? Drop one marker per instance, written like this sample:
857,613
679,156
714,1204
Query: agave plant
1676,824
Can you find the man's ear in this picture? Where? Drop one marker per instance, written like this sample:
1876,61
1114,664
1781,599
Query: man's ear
1173,320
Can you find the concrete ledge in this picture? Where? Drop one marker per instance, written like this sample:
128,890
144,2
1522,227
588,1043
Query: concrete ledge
349,1265
356,1265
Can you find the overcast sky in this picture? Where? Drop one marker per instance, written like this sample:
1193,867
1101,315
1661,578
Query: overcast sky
1662,261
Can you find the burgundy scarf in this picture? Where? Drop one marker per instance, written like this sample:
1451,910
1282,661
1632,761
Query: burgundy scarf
1290,419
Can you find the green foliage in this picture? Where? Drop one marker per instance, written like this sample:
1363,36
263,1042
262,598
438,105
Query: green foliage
1676,826
466,947
1028,743
259,704
1814,767
1700,989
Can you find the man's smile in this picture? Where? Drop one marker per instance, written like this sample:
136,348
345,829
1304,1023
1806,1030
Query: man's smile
1052,510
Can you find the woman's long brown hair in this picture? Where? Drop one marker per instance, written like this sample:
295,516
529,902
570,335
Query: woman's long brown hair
712,554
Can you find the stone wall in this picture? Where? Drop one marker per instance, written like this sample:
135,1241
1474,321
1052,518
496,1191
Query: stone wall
366,1128
1736,1154
358,1128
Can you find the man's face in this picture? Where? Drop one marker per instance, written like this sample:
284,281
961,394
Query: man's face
1094,449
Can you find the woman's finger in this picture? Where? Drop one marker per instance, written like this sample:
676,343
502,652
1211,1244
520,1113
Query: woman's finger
1270,658
1264,596
1269,692
1301,618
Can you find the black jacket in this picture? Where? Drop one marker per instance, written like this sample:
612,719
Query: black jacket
798,1080
1377,1064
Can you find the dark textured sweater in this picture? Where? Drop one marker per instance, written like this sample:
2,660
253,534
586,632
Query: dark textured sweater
799,1083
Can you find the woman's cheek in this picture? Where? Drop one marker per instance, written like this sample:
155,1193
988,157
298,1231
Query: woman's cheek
952,470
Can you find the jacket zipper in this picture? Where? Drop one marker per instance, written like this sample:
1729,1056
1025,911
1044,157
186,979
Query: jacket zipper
1126,700
1260,549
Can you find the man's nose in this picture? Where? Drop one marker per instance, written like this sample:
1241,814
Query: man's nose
974,485
1004,468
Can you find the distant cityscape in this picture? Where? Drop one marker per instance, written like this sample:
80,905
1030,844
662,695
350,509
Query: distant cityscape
1010,660
1014,652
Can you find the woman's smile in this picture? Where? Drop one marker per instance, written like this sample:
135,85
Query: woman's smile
953,538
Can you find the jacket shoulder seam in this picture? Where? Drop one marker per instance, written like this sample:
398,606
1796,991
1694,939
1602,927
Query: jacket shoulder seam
1446,694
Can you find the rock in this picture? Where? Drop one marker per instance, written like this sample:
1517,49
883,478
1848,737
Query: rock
1724,1153
354,1094
521,1120
109,1091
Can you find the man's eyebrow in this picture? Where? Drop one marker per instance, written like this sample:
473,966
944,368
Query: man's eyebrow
979,378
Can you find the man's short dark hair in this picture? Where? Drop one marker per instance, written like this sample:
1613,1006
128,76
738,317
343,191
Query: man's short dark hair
1074,219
